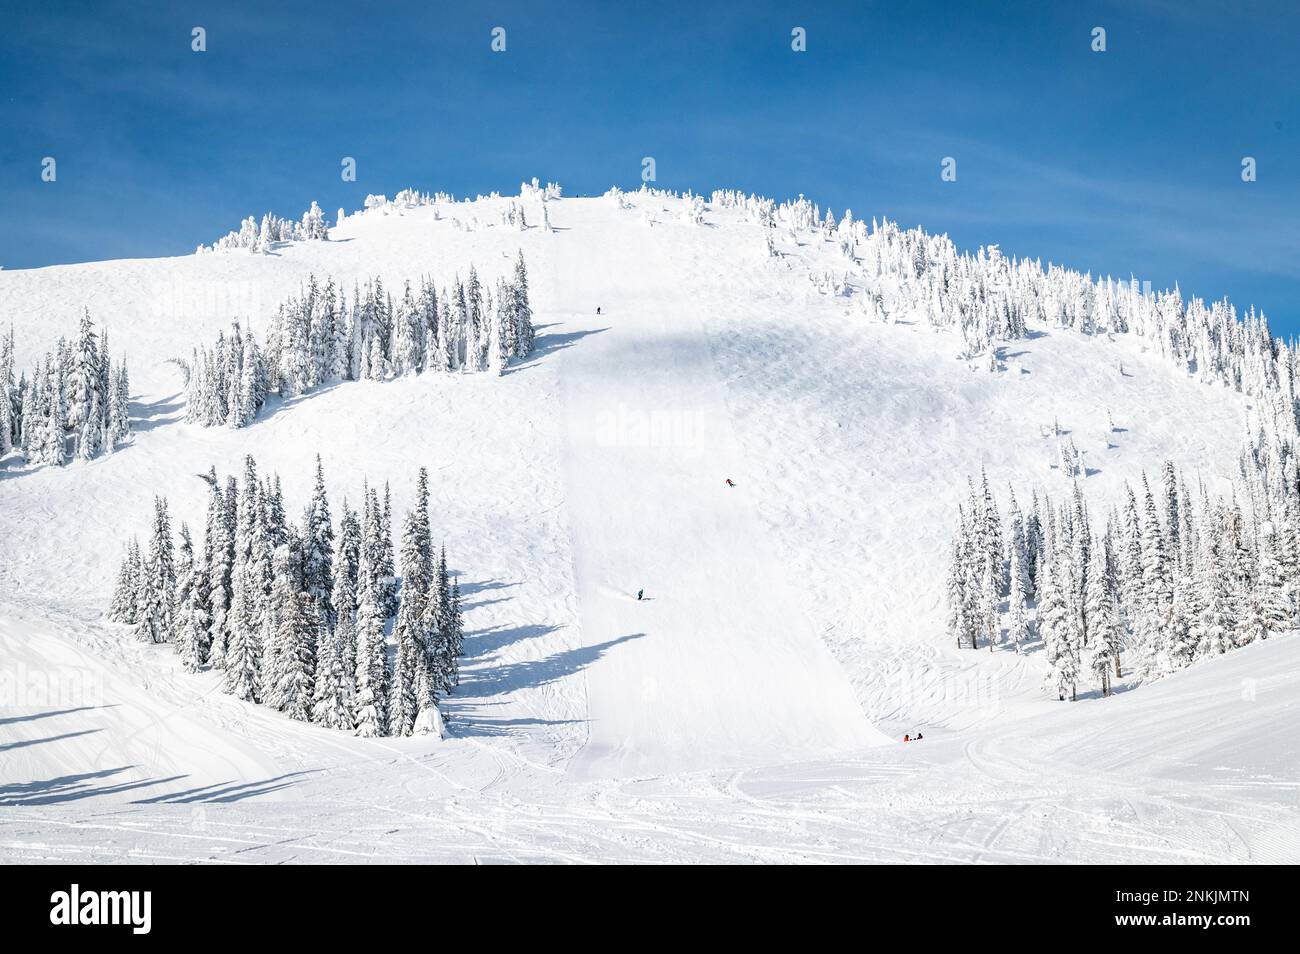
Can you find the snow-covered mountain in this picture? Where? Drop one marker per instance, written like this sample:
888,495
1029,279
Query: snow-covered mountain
744,422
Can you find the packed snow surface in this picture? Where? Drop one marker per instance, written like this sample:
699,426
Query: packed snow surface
752,706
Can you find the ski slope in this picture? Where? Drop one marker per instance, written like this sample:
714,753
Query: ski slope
749,709
723,674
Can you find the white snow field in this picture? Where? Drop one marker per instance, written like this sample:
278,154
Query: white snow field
751,709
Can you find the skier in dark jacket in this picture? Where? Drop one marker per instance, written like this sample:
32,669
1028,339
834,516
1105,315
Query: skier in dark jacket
640,593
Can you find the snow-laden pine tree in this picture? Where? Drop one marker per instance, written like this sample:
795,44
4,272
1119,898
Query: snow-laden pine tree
332,696
370,711
1276,611
407,662
269,534
989,610
324,318
217,548
1213,626
991,535
498,353
318,546
1051,619
1102,638
246,621
439,626
46,444
385,563
8,399
1184,609
160,579
86,399
344,366
454,643
243,658
294,320
290,678
191,615
1017,599
119,412
1152,633
478,320
344,596
957,598
184,570
1253,624
1173,521
124,608
507,321
523,311
417,571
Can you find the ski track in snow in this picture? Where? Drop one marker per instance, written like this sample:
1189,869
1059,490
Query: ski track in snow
745,710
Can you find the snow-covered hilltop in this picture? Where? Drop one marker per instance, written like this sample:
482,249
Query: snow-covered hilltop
761,415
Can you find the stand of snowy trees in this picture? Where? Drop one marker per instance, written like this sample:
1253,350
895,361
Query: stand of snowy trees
1169,578
323,336
253,237
301,618
75,404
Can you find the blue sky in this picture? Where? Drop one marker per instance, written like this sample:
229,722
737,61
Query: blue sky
1127,161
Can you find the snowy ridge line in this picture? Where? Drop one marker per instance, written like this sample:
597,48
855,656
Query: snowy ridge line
983,295
274,230
986,296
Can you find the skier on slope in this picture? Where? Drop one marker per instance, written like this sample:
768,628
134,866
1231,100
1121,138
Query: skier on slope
730,482
640,594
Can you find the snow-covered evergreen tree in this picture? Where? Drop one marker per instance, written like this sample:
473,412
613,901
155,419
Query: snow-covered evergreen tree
160,579
124,608
290,678
1018,627
417,572
1102,638
86,400
191,613
246,622
318,546
523,313
371,706
332,696
217,548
